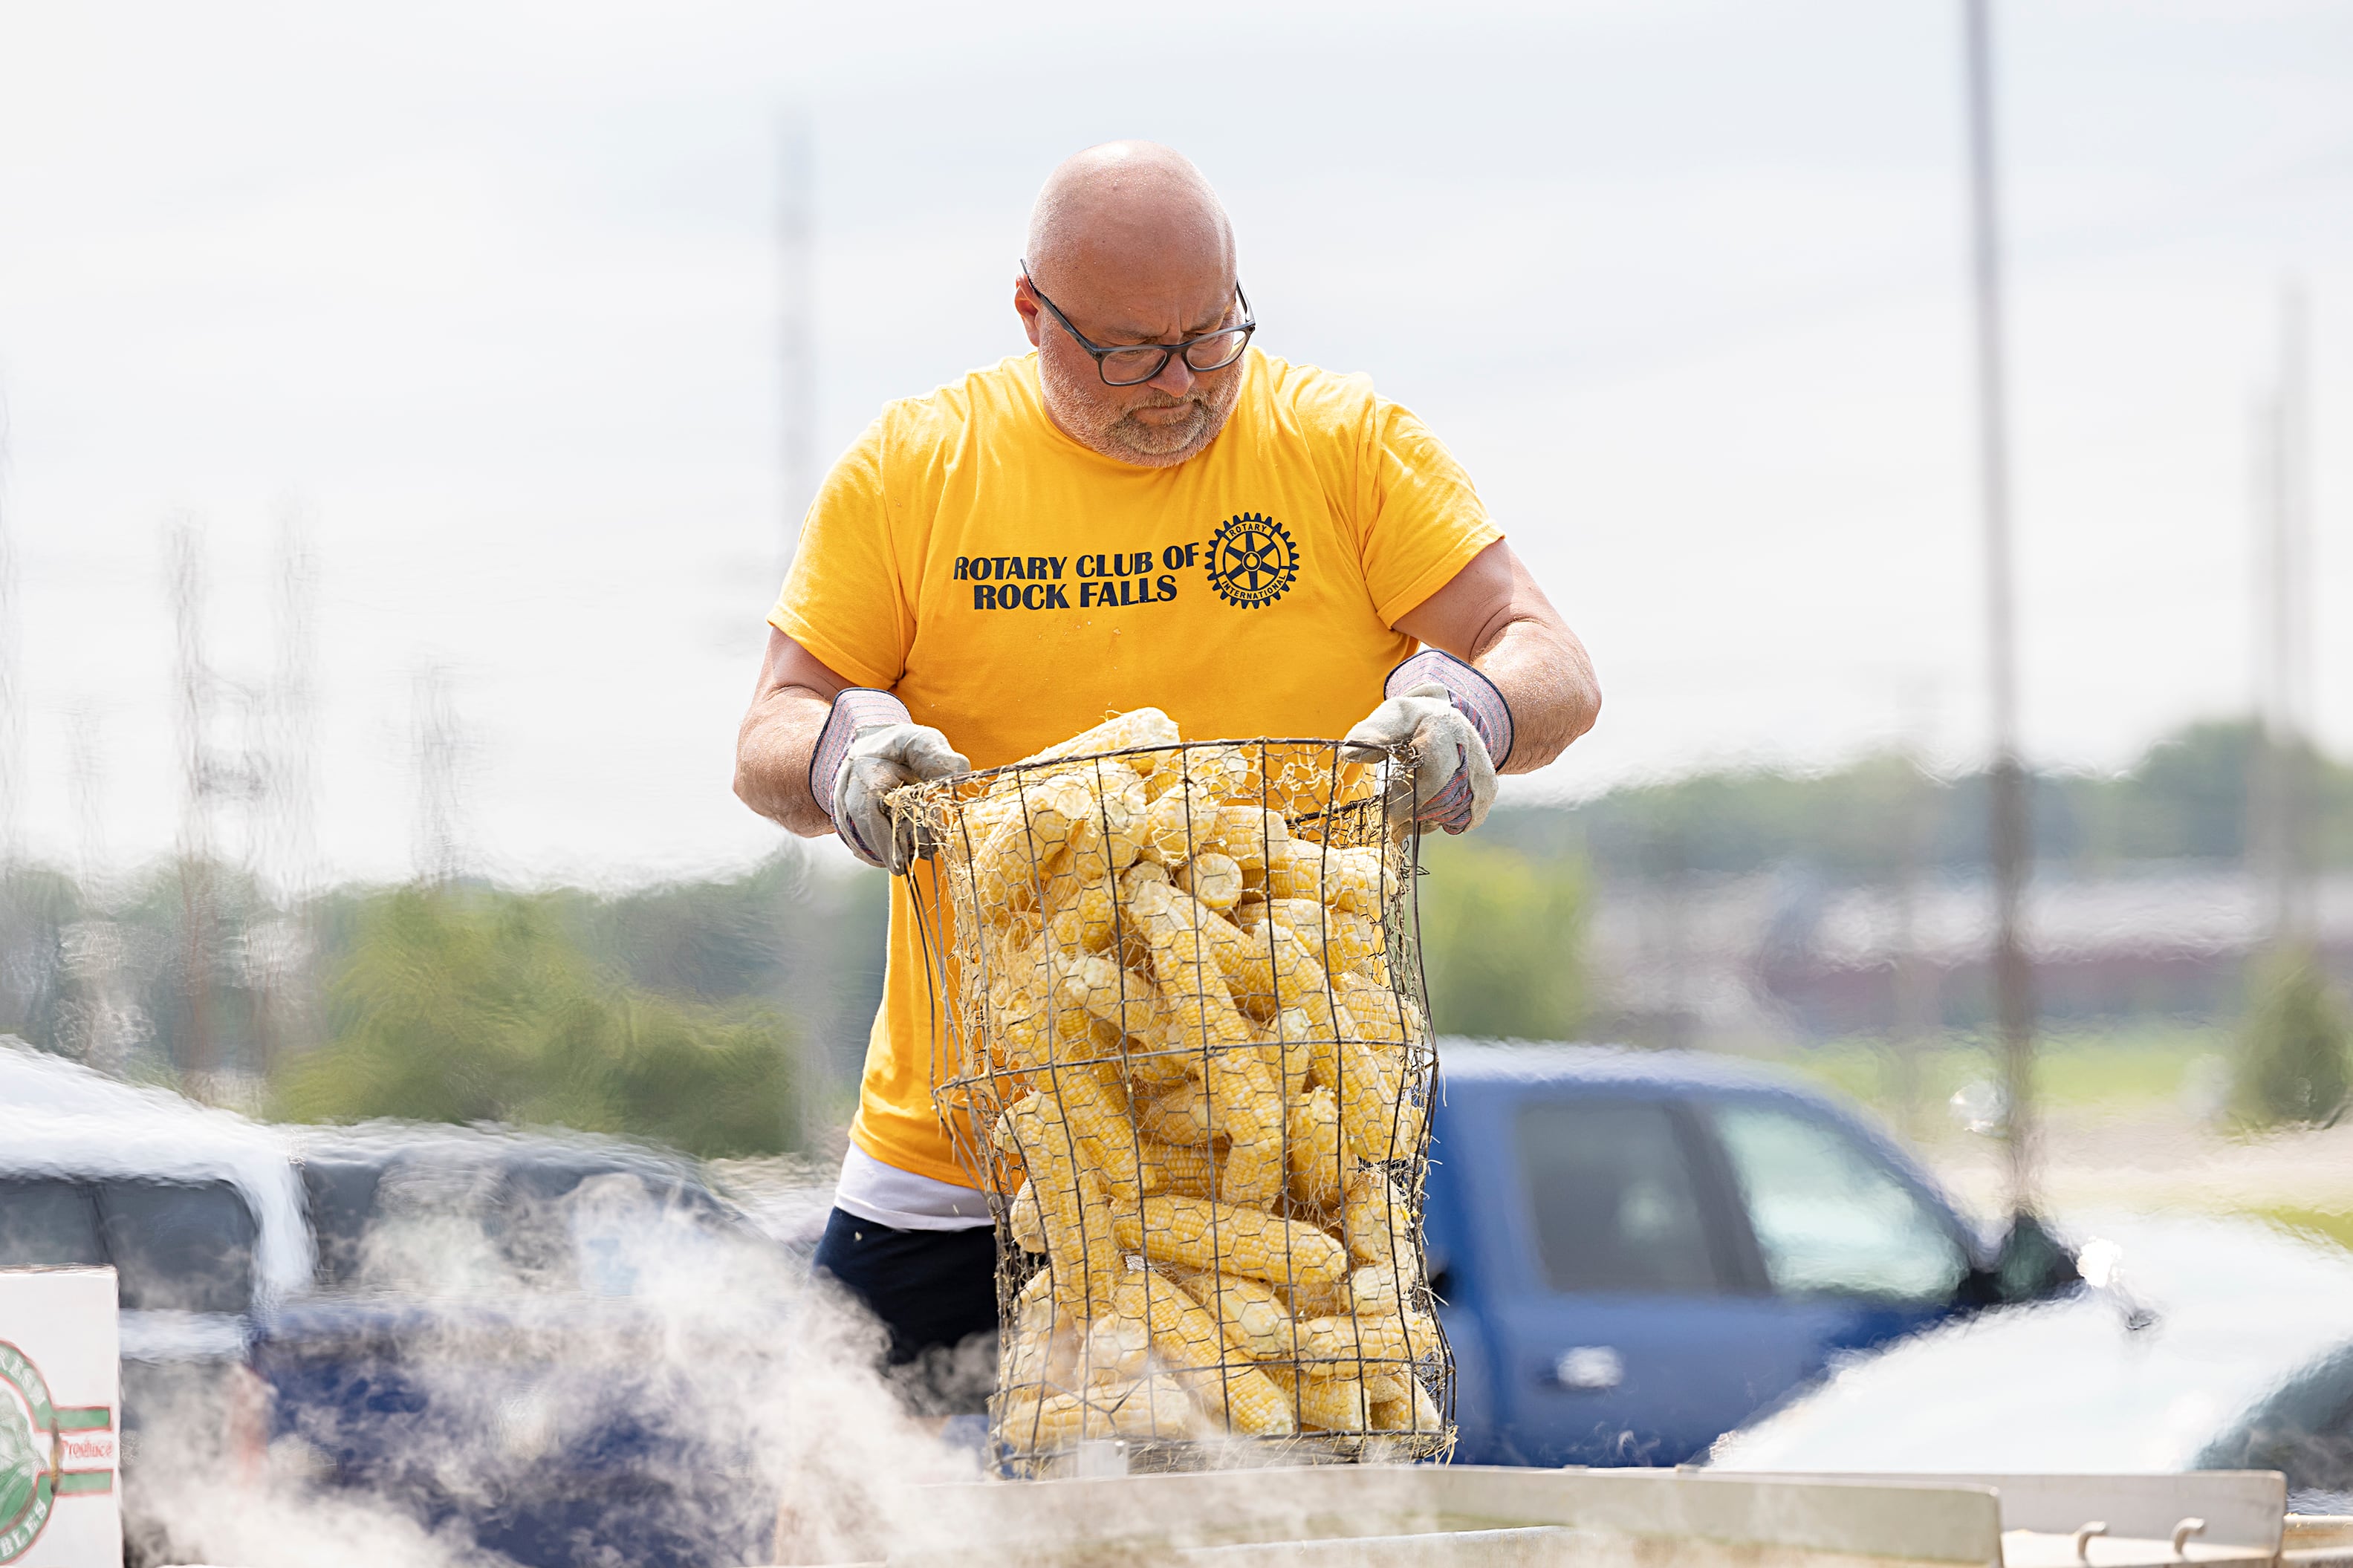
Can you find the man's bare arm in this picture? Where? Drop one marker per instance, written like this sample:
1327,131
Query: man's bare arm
789,705
1493,615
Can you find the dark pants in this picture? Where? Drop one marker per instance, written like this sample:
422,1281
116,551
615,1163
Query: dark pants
934,1291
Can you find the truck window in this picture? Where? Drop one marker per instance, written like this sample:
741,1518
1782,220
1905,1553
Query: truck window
47,1222
181,1246
1615,1208
1830,1218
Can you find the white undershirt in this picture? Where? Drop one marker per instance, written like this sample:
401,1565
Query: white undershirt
903,1200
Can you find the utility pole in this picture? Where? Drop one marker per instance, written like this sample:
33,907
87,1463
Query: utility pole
797,336
2011,833
2282,827
192,690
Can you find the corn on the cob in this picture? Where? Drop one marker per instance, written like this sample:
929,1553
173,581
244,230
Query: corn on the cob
1377,1220
1376,1290
1188,1340
1073,1206
1023,1219
1201,1232
1314,1148
1247,834
1366,1338
1212,877
1291,1039
1246,1105
1339,940
1334,1404
1348,879
1251,1313
1017,857
1179,1115
1411,1409
1124,732
1107,840
1270,969
1131,1408
1094,985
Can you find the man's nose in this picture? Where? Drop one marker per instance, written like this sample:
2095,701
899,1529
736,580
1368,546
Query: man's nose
1175,377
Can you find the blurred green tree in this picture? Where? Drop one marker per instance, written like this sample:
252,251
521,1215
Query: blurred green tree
2295,1059
1501,939
470,1005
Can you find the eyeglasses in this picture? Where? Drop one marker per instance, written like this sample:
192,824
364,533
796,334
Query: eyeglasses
1132,366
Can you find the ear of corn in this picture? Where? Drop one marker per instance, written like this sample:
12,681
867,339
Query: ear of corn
1348,879
1202,1233
1377,1220
1334,1404
1315,1150
1250,1314
1187,1339
1212,877
1138,727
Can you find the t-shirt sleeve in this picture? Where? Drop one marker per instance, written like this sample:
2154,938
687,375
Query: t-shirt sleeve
842,597
1423,520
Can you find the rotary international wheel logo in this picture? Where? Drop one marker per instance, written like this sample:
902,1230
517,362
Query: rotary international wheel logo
1251,560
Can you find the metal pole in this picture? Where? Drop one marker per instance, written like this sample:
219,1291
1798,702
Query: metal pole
797,337
2009,830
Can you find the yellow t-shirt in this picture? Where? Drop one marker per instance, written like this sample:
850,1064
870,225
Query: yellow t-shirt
1012,588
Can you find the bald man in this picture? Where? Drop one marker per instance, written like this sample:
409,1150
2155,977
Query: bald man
1145,511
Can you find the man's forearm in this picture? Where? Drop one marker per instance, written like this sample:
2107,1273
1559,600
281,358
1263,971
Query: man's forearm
771,759
1547,679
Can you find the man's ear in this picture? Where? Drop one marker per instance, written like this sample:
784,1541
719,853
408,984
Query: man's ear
1025,305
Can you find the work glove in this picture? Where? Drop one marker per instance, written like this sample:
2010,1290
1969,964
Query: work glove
1459,730
868,747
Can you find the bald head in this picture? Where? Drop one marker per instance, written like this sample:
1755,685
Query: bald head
1131,209
1129,246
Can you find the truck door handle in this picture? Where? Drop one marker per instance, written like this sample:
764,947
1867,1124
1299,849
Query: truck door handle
1589,1369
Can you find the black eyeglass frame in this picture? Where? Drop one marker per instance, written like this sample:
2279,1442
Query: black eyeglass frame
1245,327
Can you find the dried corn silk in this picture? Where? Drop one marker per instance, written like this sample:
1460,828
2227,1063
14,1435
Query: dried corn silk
1182,1039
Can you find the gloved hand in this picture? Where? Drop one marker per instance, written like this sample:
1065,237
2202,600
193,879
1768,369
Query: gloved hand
1461,731
868,747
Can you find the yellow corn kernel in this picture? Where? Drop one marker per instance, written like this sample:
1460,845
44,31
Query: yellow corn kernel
1181,1168
1202,1233
1188,1340
1314,1148
1377,1220
1213,878
1251,1313
1081,917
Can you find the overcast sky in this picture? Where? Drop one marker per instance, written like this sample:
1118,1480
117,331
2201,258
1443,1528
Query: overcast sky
488,295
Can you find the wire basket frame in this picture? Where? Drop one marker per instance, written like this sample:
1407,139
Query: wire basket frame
1178,997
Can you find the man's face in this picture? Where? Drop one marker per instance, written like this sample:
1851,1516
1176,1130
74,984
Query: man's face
1159,423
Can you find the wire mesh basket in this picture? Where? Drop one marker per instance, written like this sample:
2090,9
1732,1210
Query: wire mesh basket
1179,996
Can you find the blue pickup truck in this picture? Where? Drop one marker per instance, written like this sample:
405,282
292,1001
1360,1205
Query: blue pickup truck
1637,1251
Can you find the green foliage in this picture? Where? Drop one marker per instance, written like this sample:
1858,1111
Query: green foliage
1501,932
2294,1063
475,1005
